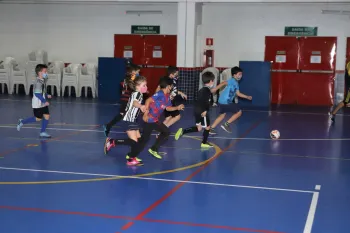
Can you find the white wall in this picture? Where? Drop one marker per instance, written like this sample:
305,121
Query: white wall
74,33
239,30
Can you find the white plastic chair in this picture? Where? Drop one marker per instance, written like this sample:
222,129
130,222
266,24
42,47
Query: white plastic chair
18,77
39,56
70,78
5,73
54,78
87,78
30,73
216,73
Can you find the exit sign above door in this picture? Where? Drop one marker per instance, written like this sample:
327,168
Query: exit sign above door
300,31
144,29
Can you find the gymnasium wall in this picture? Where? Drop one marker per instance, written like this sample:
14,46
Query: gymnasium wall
74,33
239,30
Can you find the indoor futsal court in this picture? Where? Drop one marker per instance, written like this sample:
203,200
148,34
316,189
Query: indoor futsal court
246,183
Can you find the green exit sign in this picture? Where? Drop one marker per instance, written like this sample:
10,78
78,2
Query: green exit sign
144,29
300,31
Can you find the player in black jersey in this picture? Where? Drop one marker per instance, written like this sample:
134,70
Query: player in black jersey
347,96
201,109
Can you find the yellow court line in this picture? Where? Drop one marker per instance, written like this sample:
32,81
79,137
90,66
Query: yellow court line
217,151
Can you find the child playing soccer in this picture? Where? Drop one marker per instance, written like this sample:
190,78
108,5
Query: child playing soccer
155,106
346,100
129,120
131,73
226,99
39,103
201,109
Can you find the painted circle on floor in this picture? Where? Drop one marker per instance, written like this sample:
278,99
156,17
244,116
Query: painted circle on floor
217,151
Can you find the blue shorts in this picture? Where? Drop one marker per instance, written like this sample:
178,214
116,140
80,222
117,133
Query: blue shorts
128,126
229,108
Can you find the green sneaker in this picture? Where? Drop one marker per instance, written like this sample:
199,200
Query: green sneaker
154,153
179,134
128,157
206,146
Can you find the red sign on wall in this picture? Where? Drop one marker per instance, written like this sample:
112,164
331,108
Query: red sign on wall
209,41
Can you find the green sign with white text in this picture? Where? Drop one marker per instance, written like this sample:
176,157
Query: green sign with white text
144,30
300,31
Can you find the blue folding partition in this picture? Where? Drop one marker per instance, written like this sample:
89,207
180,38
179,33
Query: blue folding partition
111,71
256,83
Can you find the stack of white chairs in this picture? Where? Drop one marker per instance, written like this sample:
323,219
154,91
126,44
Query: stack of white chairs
216,73
35,57
39,56
55,74
18,77
87,78
5,74
70,78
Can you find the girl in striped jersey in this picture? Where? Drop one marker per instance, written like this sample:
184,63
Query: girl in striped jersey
129,121
131,73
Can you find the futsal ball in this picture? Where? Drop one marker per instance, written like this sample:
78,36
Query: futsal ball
275,134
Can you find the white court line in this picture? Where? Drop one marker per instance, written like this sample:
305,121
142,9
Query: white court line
312,211
157,179
245,110
228,138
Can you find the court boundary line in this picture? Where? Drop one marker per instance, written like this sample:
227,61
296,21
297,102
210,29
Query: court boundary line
312,210
214,137
159,179
188,178
122,217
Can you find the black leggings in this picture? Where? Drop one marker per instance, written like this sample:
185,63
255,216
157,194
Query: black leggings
114,121
147,132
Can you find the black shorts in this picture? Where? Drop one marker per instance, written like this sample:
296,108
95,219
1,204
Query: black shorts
39,112
178,100
129,126
203,121
229,108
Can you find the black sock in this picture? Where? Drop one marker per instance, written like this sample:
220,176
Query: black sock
205,136
125,141
114,121
190,130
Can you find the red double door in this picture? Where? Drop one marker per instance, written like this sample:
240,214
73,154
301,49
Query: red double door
303,69
153,52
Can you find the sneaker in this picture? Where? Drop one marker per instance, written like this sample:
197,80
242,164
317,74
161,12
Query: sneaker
154,153
106,130
178,134
19,124
134,162
109,144
206,146
212,132
226,127
128,157
45,135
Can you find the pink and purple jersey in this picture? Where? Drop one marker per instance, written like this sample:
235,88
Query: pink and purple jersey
160,102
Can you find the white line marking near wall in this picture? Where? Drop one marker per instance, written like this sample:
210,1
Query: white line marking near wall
228,138
312,211
156,179
318,187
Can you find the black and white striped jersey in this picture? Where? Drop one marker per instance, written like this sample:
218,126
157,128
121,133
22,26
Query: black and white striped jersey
174,90
131,112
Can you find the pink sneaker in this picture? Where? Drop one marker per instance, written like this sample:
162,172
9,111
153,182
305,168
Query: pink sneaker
109,144
134,162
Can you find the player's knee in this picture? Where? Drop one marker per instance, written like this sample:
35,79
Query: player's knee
47,117
208,128
199,127
38,119
239,113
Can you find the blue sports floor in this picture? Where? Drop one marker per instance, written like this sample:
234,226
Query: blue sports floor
247,183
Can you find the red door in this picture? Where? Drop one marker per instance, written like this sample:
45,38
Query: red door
129,46
317,67
282,52
153,52
303,69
